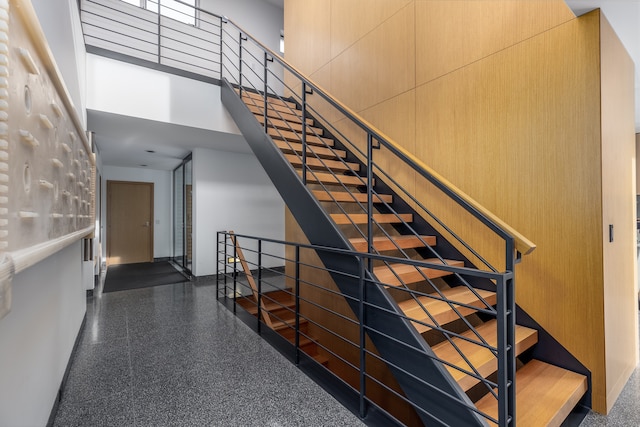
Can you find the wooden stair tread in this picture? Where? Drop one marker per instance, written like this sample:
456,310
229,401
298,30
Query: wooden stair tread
269,305
545,395
411,274
277,114
272,99
295,137
384,243
483,359
334,165
346,197
328,178
441,310
349,219
288,146
283,124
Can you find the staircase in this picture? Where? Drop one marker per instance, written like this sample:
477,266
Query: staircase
545,394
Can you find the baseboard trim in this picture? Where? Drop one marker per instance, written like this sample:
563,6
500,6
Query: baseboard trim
58,398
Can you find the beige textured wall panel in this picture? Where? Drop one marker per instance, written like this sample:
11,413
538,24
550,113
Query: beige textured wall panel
307,40
525,143
345,30
618,209
452,34
379,66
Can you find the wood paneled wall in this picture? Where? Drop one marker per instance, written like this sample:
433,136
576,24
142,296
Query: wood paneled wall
618,210
503,99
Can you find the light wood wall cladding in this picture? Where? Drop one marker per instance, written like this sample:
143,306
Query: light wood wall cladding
507,107
488,27
618,209
637,168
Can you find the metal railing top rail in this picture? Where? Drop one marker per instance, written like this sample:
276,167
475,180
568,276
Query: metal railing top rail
521,244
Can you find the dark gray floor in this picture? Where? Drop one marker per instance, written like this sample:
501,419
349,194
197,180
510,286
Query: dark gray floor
626,410
172,356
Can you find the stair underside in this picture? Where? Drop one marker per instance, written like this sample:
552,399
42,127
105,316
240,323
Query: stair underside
480,357
545,395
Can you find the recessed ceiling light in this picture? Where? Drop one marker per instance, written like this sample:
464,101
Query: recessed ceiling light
150,151
144,166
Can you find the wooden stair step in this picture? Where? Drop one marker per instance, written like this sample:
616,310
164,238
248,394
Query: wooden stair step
347,197
482,358
441,310
545,395
289,147
328,178
258,111
269,305
349,219
272,99
283,124
272,103
385,243
391,274
334,165
292,136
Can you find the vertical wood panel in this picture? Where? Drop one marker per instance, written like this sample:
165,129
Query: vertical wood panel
452,34
307,33
345,30
618,209
379,66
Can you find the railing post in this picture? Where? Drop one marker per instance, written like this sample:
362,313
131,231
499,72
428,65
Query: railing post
240,64
259,285
235,275
266,88
225,262
363,353
369,199
297,293
506,308
159,31
304,133
217,265
221,47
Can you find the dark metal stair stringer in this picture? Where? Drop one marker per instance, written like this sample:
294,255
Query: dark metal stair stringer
321,230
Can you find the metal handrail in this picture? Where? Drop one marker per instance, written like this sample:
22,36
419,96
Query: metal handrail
521,243
227,241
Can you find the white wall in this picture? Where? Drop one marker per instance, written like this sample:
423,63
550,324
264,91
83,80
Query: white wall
154,95
231,192
49,299
162,203
60,21
37,337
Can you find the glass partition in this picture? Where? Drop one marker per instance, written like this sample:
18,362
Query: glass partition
182,215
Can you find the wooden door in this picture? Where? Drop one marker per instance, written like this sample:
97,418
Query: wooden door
129,222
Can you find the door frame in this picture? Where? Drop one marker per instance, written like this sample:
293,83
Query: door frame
109,216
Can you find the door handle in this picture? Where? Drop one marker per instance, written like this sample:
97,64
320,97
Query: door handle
146,224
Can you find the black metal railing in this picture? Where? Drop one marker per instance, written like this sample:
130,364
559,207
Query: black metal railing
360,357
179,38
445,208
331,133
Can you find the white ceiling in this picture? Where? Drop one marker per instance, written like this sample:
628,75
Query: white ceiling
123,140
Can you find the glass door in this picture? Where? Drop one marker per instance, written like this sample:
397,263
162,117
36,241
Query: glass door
182,215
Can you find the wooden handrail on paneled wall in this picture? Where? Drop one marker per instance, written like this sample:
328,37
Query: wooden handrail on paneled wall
522,245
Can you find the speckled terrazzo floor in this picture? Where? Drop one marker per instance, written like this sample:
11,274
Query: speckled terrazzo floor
172,356
626,410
